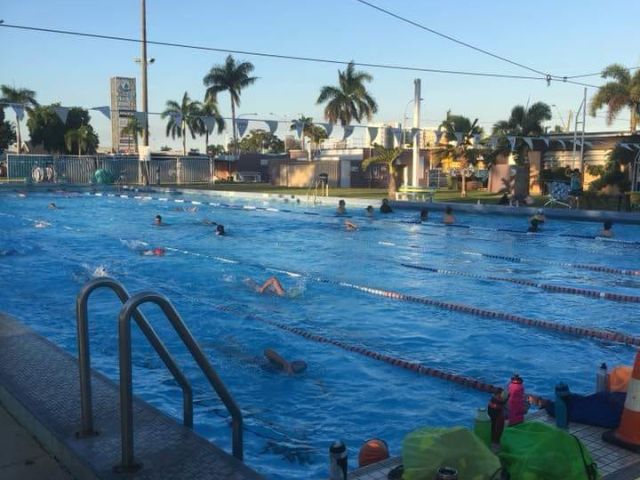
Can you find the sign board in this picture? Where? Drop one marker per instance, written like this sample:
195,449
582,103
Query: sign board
144,153
123,108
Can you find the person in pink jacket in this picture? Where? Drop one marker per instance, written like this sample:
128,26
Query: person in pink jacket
516,401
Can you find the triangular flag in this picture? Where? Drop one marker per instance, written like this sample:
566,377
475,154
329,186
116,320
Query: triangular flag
529,142
241,125
106,111
512,142
347,131
459,136
438,136
141,117
62,112
328,127
209,123
626,145
373,133
589,144
493,142
299,127
397,134
19,109
273,125
561,142
545,140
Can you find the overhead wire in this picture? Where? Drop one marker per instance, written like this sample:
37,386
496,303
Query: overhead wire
272,55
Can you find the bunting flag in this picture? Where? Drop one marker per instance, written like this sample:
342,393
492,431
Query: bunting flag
328,127
141,117
397,134
347,131
299,127
176,117
529,142
493,142
373,133
626,145
106,111
589,144
19,109
459,137
209,123
545,140
273,125
438,136
512,142
561,142
241,125
62,112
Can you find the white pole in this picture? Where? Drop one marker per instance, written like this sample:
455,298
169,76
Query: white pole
584,121
416,139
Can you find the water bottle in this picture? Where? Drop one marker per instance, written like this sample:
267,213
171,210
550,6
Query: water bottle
482,426
602,379
447,473
561,406
338,461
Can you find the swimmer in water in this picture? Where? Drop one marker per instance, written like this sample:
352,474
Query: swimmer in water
342,208
534,226
157,221
273,285
157,252
424,215
220,230
52,206
350,226
295,366
385,207
369,211
606,232
41,224
448,218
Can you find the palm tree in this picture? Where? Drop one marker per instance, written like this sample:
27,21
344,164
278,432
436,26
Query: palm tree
83,137
305,124
133,128
623,92
349,100
387,156
523,122
182,116
231,77
18,96
460,134
210,109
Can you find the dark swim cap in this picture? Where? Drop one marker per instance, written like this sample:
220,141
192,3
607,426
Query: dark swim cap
298,366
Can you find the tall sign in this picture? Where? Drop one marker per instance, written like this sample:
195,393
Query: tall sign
123,108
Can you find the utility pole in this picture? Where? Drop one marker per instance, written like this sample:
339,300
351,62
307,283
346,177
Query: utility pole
416,138
145,97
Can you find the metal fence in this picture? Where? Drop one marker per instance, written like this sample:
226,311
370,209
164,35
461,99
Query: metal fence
123,169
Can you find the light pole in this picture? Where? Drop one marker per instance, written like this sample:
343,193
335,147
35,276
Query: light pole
145,97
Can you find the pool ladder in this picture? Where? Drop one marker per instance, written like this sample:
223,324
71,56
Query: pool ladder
312,192
130,309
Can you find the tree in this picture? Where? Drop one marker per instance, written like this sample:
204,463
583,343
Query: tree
615,171
350,100
20,98
133,128
461,145
7,132
210,109
622,92
83,138
304,124
230,77
523,122
46,128
316,135
182,116
258,141
215,150
386,156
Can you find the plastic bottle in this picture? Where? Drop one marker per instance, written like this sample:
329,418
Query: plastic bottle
561,406
516,402
482,426
338,461
602,379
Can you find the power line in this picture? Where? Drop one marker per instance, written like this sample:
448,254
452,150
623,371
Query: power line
598,73
278,56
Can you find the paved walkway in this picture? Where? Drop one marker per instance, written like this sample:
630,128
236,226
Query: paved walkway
22,457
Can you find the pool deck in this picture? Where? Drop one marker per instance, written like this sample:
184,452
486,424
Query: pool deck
614,463
39,387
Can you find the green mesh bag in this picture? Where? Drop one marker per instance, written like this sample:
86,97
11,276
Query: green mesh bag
537,451
427,449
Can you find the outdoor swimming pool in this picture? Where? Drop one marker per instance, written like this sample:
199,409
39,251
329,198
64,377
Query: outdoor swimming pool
336,277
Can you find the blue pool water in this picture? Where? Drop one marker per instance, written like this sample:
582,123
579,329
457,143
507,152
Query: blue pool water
291,420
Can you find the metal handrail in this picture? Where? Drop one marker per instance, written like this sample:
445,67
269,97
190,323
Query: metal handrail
128,310
84,357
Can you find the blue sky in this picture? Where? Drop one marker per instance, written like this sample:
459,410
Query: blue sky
564,38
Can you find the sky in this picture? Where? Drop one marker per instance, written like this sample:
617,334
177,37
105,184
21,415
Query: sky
563,38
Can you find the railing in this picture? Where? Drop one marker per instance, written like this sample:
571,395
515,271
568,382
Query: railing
130,309
84,356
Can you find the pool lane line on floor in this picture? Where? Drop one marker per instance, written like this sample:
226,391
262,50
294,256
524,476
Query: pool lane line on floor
594,333
595,268
389,220
617,297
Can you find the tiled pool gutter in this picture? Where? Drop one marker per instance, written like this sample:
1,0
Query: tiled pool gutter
39,386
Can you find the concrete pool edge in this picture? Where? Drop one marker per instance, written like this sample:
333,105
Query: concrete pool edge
39,387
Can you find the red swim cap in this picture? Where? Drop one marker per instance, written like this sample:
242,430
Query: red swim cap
158,251
373,451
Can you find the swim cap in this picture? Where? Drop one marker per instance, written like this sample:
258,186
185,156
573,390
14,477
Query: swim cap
298,366
158,251
374,450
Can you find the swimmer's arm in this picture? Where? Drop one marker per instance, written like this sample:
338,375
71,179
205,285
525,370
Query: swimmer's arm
274,284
